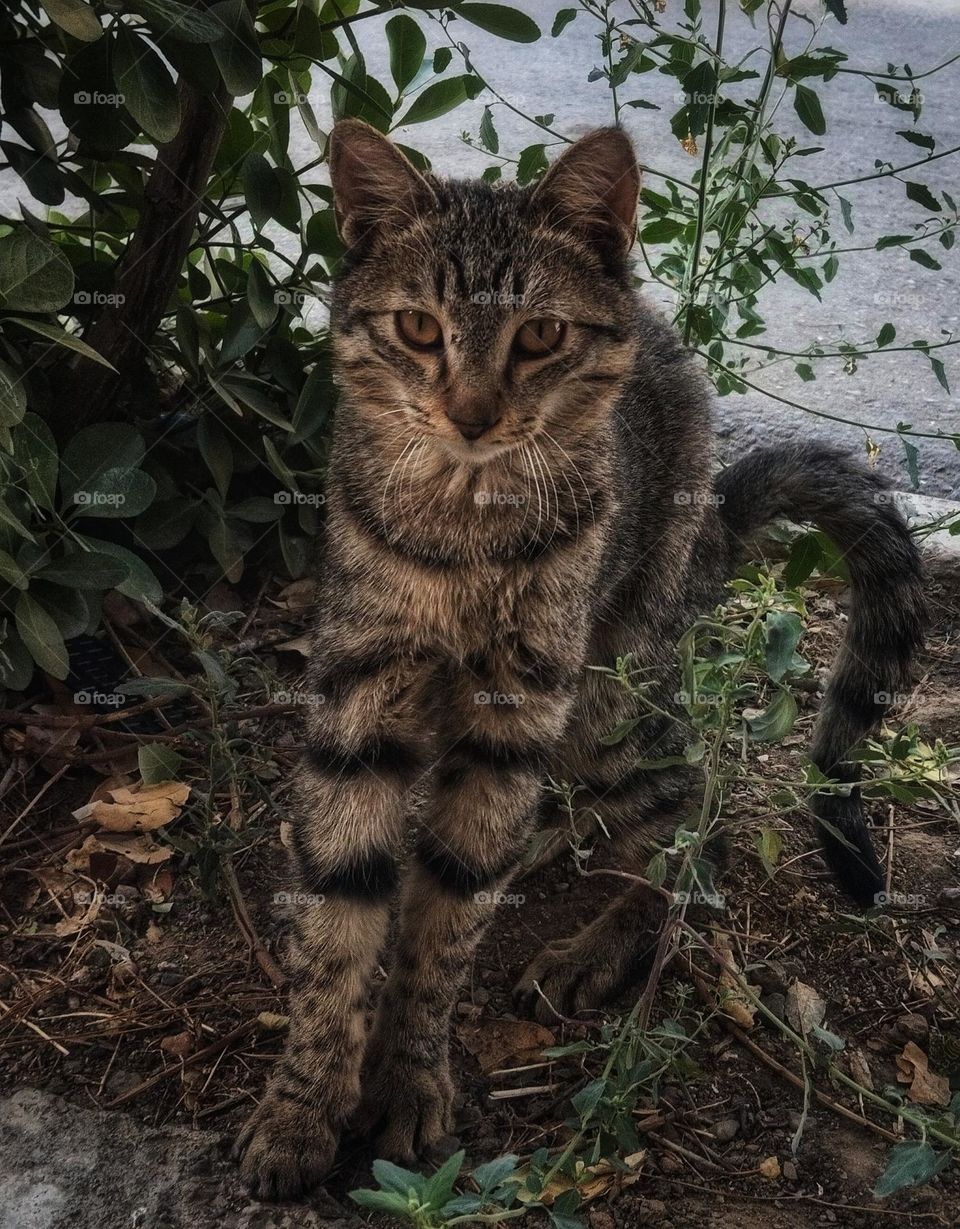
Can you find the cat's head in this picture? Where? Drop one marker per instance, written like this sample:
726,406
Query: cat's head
483,317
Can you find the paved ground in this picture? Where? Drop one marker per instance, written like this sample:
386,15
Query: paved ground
870,289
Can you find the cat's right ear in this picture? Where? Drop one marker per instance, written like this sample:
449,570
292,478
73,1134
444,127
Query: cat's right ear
372,180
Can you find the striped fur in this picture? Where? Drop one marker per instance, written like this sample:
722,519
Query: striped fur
466,587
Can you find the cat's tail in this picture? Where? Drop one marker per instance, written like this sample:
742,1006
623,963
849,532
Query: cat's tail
854,507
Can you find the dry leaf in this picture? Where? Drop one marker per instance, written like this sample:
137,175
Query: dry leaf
142,849
286,833
805,1008
770,1168
496,1042
299,595
137,808
179,1045
273,1021
734,1002
300,644
591,1181
860,1068
926,1087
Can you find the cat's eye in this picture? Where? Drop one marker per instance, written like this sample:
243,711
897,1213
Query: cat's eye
538,338
419,329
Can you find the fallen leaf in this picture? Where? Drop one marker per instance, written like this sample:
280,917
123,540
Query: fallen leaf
734,1002
136,808
591,1181
273,1021
926,1087
300,644
179,1045
494,1043
860,1068
805,1008
142,849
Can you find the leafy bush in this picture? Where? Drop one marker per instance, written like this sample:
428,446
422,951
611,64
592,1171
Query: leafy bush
165,379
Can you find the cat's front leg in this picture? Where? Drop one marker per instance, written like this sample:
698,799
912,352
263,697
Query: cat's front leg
483,798
363,756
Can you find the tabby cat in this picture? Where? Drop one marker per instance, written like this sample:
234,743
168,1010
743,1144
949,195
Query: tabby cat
520,486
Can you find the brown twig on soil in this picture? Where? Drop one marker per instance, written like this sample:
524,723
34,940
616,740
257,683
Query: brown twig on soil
699,980
245,922
215,1047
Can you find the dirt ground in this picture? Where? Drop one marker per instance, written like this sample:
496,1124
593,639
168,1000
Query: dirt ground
147,1021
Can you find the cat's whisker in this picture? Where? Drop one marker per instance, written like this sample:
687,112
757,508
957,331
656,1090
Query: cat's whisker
576,469
556,505
386,488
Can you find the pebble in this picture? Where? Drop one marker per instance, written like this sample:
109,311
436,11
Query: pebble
726,1130
790,1171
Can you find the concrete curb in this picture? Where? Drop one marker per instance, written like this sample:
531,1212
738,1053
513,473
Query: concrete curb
940,546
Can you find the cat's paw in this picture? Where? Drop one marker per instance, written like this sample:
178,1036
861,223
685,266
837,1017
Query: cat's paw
284,1149
569,977
405,1109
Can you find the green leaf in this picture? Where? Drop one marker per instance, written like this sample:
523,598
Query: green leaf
923,257
186,24
12,572
488,134
439,1188
917,138
16,664
909,1164
382,1201
838,9
140,583
804,557
500,20
35,275
395,1178
782,631
237,51
561,21
912,453
886,335
807,106
41,636
157,763
776,721
261,189
116,492
662,230
76,17
531,164
440,97
407,46
217,452
146,85
588,1098
261,295
62,338
769,844
940,372
84,570
95,449
922,195
13,397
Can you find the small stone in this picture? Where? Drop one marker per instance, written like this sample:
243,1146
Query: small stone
949,896
670,1164
726,1129
600,1218
790,1171
910,1027
776,1004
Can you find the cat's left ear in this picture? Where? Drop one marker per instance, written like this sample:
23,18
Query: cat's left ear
593,188
373,183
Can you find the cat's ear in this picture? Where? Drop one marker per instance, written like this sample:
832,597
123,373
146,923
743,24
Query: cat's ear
593,188
372,180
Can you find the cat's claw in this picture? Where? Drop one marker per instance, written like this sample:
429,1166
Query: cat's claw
405,1109
284,1150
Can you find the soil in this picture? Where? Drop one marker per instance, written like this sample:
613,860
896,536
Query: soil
118,1097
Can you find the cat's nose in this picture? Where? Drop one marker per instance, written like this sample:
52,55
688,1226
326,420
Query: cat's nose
473,417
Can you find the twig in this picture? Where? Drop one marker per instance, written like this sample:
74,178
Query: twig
244,921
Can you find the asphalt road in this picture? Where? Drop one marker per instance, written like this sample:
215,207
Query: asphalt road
870,289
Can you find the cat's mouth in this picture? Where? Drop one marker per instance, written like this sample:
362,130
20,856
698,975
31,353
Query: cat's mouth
474,452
